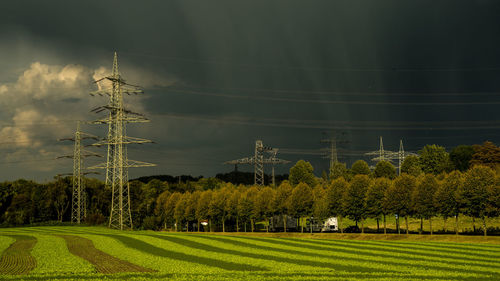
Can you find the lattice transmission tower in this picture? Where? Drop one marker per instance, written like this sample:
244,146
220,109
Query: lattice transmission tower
331,152
117,163
79,197
382,154
258,160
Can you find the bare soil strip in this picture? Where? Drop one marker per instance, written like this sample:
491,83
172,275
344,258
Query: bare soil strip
17,259
104,263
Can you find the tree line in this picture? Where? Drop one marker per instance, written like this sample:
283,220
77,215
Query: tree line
434,183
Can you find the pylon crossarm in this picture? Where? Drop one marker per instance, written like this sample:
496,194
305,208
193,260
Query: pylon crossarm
136,164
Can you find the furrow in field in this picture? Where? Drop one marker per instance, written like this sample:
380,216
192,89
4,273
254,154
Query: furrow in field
104,263
352,258
267,256
195,259
17,258
391,251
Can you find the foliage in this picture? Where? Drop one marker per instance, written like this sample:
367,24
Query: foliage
338,170
302,172
360,167
354,197
445,198
384,169
411,165
461,156
301,201
423,197
487,154
397,199
434,159
375,197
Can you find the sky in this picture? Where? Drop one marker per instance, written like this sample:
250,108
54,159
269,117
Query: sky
219,75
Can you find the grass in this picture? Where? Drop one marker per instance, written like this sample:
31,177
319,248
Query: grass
193,256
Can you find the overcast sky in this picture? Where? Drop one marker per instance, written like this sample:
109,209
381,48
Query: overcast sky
219,75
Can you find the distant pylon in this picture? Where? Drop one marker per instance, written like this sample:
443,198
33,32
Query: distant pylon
78,198
382,154
117,163
258,161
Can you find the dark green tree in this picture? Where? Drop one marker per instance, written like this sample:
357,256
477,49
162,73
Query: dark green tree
360,167
411,165
301,202
335,193
461,156
338,170
473,195
434,159
302,171
384,169
280,201
375,199
397,198
445,199
423,199
487,154
354,199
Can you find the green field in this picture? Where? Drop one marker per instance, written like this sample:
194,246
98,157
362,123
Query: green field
95,253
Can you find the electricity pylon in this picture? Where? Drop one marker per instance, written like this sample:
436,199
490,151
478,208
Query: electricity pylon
332,152
402,155
117,163
258,161
78,199
383,155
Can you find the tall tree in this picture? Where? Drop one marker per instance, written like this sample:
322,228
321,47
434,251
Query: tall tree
202,207
473,195
335,193
461,156
301,202
180,211
280,201
263,208
232,206
360,167
354,203
434,159
161,203
170,207
445,199
375,199
423,199
216,209
397,198
487,154
302,171
321,210
384,169
411,165
190,211
338,170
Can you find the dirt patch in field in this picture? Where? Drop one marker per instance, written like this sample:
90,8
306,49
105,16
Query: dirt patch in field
17,259
104,263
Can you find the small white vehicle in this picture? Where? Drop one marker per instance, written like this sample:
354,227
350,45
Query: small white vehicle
330,225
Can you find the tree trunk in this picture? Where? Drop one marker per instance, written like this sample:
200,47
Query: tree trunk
444,224
406,221
385,227
267,225
187,226
245,226
198,225
210,225
456,224
237,225
378,225
484,226
340,225
474,224
397,225
251,224
223,226
176,224
302,225
284,223
421,226
311,226
362,226
430,224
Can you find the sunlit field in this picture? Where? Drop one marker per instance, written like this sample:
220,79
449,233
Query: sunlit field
95,253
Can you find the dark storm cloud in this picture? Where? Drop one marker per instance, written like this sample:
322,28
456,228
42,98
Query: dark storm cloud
230,66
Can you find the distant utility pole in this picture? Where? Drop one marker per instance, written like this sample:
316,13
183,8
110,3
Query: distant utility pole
117,163
258,161
331,152
78,199
383,155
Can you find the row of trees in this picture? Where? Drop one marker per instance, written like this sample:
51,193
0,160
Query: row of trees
475,193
